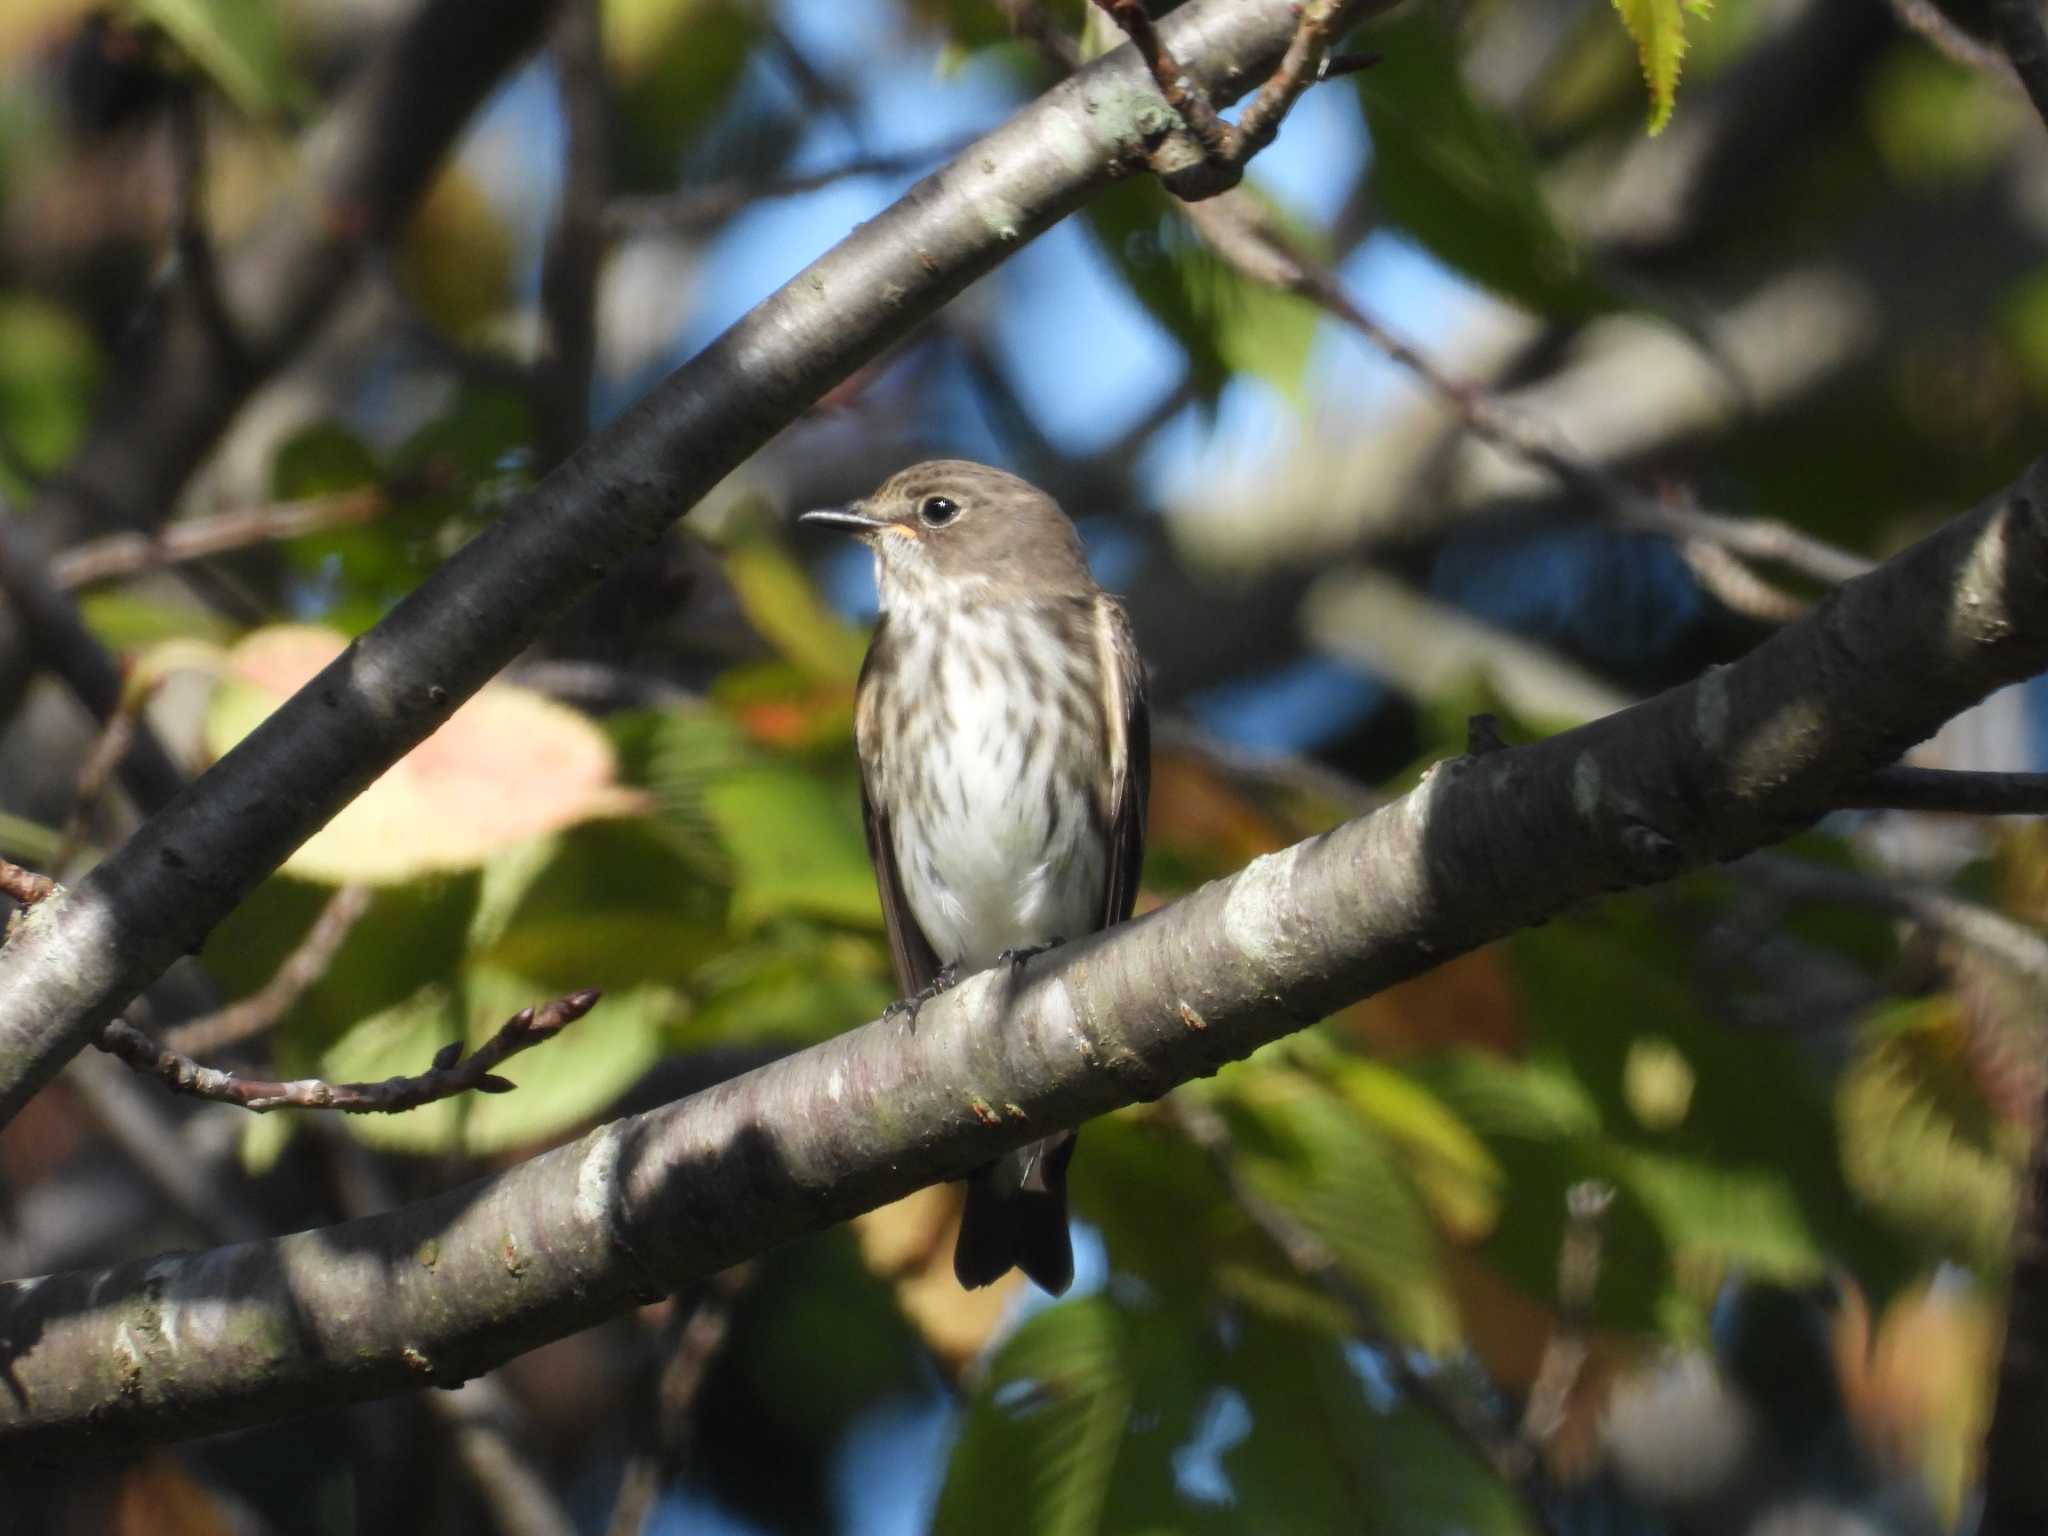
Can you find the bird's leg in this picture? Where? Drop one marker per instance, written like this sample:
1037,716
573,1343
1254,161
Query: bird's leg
1015,958
907,1007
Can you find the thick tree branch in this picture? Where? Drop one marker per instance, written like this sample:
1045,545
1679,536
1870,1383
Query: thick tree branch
442,1290
81,956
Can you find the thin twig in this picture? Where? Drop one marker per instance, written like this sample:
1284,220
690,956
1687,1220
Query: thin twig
261,1009
25,886
1578,1279
198,265
61,640
1951,41
1236,231
1311,1257
108,747
2004,940
696,1345
1958,791
489,1433
2025,41
574,260
138,1121
695,208
451,1074
1225,146
194,538
1738,588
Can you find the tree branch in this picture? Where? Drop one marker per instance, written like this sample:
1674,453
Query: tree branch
451,1074
574,262
2025,41
258,1012
1242,235
444,1289
194,538
80,957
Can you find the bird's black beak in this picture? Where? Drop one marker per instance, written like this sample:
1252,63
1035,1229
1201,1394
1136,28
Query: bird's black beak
848,518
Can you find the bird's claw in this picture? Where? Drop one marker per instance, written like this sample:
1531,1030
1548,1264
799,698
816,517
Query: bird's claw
1015,958
906,1008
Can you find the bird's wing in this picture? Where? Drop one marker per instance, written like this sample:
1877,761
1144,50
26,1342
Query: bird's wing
1127,776
916,962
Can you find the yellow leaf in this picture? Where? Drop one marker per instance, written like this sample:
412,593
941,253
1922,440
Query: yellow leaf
507,766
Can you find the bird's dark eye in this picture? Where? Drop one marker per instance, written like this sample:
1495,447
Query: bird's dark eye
937,511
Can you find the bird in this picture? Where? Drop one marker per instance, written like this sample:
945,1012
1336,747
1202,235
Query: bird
1005,753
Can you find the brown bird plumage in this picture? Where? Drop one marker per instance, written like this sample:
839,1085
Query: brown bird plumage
1005,753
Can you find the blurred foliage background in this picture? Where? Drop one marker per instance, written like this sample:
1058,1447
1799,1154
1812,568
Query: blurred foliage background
1333,1288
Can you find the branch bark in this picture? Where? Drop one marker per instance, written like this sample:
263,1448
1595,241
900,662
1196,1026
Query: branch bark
442,1290
80,956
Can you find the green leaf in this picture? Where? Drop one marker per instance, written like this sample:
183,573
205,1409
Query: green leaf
1459,179
782,603
796,845
1314,1156
1224,323
1920,1142
241,46
607,904
1102,1415
1167,1219
672,64
49,370
1658,28
1750,1174
319,459
1320,1456
1450,1165
1042,1436
409,936
792,982
678,754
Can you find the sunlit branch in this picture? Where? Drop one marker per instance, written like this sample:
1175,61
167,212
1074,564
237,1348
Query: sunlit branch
1695,777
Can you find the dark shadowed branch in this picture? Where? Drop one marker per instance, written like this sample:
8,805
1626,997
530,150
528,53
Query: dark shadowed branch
690,1345
80,957
57,635
1739,758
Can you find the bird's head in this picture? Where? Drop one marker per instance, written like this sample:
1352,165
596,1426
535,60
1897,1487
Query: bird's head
953,531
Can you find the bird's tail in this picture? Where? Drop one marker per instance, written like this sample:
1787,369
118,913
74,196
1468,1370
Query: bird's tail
1016,1218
